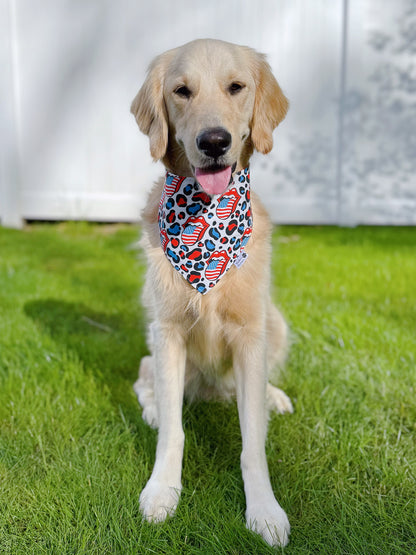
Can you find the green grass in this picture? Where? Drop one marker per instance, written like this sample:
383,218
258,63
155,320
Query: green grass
75,454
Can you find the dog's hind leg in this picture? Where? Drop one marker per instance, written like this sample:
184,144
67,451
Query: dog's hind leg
277,400
144,389
277,347
277,339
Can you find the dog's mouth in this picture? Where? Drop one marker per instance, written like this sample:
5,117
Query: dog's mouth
215,179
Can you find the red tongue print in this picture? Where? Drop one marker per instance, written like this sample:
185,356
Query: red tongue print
213,182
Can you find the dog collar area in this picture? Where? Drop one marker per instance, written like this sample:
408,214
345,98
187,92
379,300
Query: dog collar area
203,236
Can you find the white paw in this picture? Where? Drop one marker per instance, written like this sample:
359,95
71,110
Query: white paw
270,521
159,500
149,415
146,398
278,401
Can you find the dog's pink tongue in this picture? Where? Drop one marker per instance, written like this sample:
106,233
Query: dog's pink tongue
213,183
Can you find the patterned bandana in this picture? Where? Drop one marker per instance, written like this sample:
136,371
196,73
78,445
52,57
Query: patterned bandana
203,236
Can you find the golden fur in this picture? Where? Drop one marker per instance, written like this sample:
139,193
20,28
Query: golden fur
229,340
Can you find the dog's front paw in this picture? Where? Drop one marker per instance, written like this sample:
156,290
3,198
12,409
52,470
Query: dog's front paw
159,500
270,521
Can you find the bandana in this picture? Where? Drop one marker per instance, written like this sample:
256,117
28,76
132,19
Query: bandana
203,236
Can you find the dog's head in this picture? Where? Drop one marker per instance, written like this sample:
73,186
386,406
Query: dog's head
205,106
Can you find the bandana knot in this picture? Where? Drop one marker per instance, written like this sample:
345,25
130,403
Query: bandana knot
203,236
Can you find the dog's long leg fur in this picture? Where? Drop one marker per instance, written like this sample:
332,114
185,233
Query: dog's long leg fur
161,494
263,513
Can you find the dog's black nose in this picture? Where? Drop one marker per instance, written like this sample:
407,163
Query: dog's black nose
214,142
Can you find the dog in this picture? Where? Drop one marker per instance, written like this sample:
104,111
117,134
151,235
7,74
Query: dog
214,332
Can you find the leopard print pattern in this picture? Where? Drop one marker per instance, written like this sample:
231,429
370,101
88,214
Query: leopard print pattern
203,236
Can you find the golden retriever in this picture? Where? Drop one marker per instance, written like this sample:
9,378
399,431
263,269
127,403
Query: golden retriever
205,107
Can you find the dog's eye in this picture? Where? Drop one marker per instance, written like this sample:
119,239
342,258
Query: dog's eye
183,91
235,88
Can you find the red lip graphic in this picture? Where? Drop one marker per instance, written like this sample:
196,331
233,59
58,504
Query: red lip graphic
227,203
194,229
173,182
164,239
246,237
217,264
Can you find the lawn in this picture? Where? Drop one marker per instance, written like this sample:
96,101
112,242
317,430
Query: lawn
74,452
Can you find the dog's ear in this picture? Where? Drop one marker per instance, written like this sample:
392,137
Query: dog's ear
270,106
149,109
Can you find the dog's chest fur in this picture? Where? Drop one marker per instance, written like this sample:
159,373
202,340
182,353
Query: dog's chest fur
211,324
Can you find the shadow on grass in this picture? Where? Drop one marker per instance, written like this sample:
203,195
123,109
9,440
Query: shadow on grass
108,345
111,346
212,431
